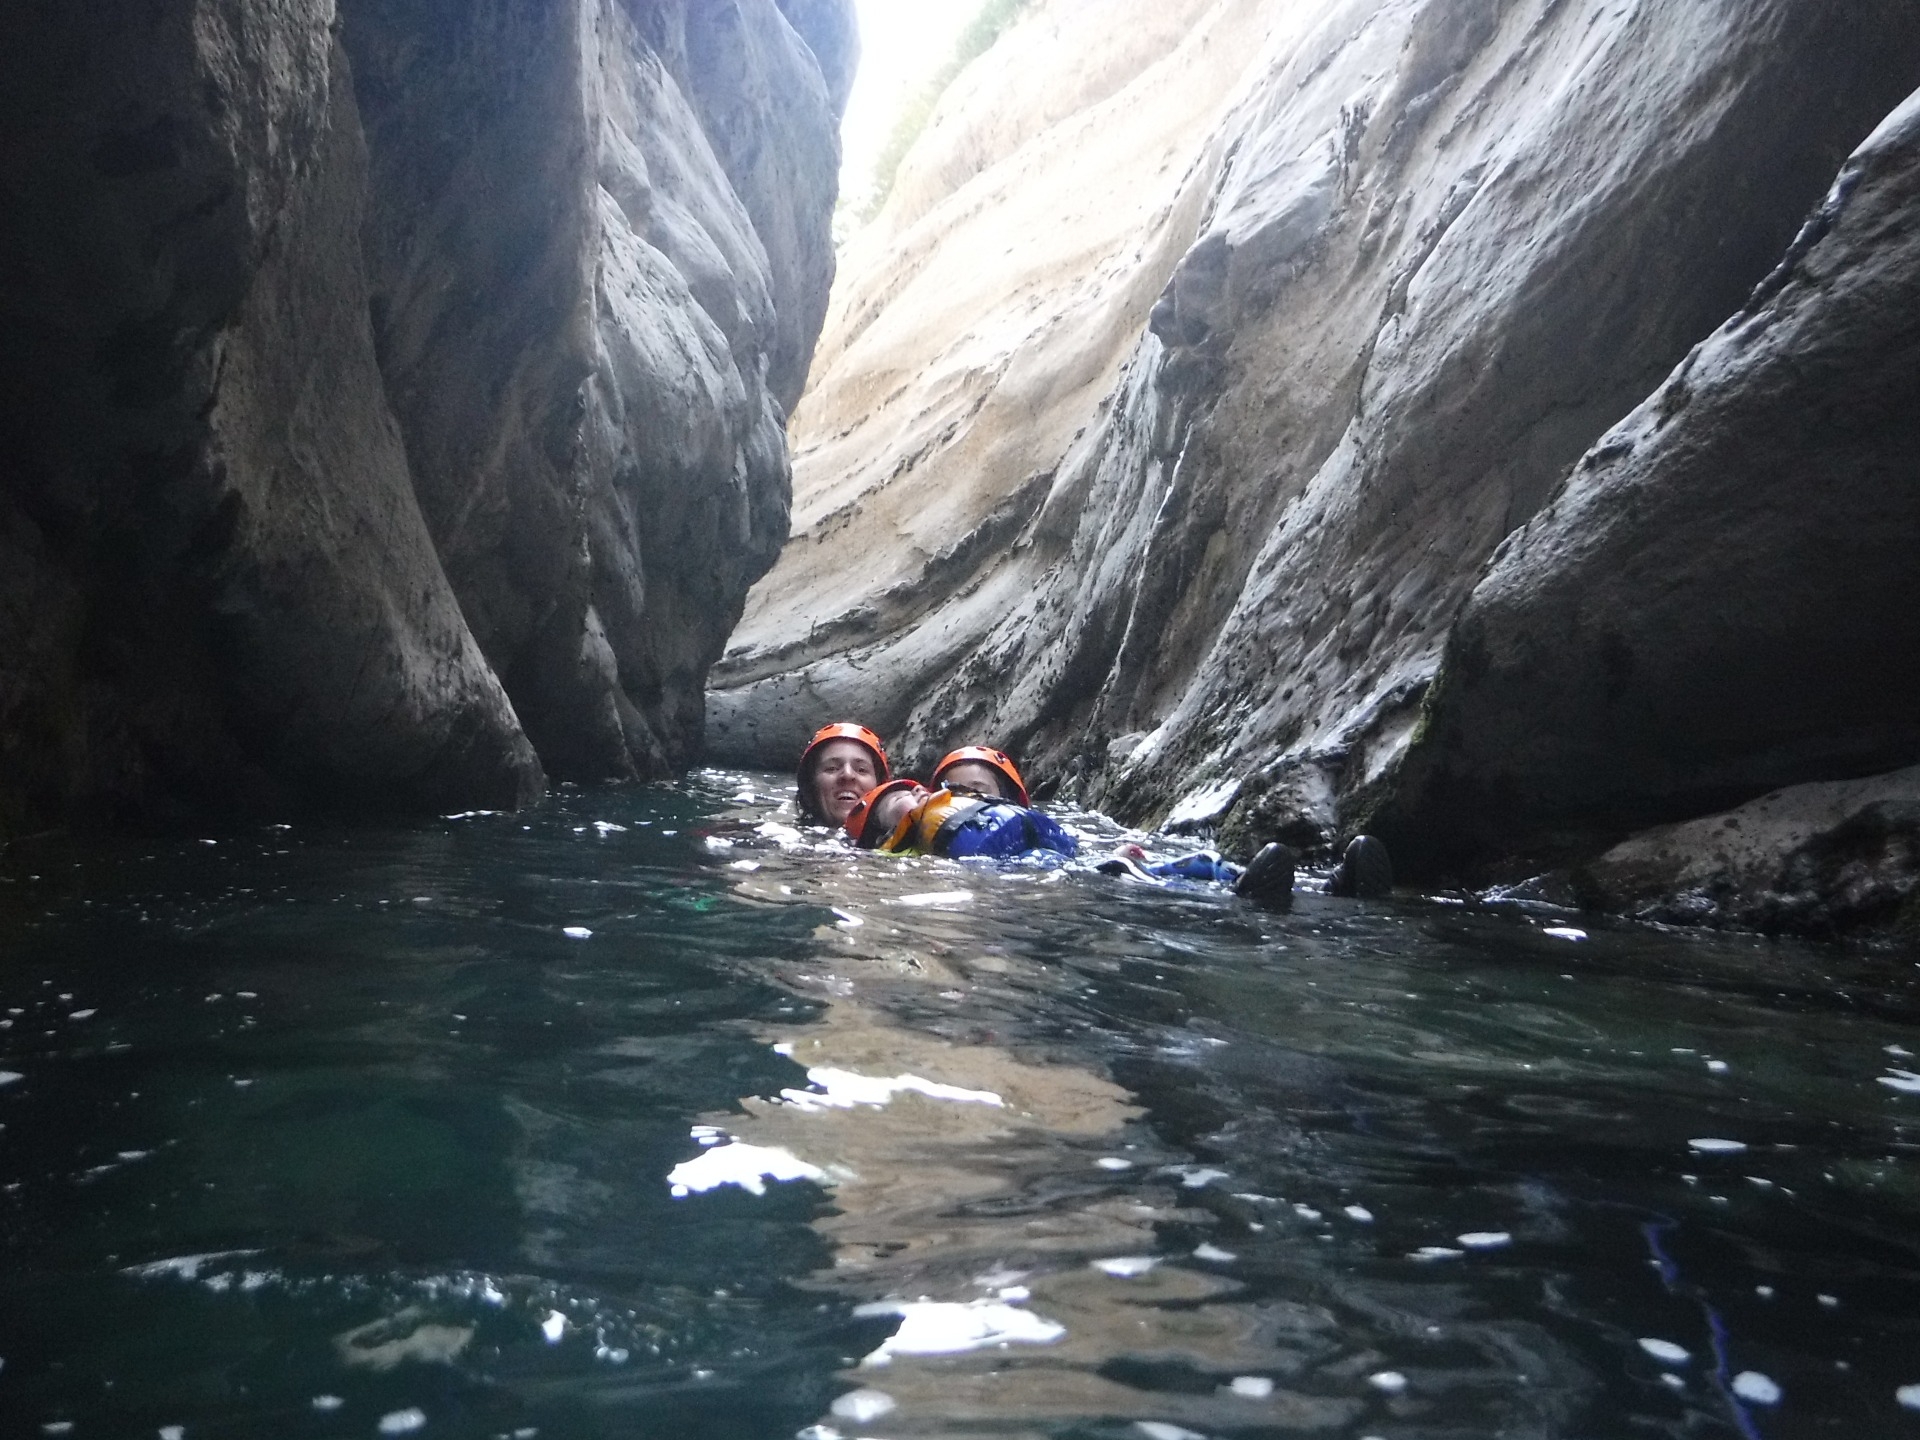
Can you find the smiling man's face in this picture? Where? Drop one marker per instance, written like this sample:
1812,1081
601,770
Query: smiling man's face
843,771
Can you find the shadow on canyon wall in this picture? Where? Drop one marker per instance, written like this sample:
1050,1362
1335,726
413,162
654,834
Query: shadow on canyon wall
1464,419
393,395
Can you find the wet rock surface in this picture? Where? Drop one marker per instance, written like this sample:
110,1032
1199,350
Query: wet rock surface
1813,859
1720,600
394,391
1421,261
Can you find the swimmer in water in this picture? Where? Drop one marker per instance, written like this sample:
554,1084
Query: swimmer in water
981,770
903,817
841,763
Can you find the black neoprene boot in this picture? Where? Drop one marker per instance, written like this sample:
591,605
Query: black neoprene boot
1366,870
1268,878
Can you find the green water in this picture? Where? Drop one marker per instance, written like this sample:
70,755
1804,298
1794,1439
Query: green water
338,1132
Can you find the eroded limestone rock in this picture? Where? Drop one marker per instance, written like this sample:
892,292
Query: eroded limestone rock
359,360
1814,859
1413,261
1722,598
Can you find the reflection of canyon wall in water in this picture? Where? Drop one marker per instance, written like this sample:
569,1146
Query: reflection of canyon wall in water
394,396
1171,424
973,1205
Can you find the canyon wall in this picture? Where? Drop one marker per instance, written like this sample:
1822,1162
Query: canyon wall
394,392
1171,415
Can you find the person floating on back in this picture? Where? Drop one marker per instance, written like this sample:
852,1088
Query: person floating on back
903,817
980,808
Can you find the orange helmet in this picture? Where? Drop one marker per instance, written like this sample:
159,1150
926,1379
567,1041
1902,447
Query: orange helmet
844,730
987,755
857,817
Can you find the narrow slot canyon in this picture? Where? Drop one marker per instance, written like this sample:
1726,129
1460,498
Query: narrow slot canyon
863,719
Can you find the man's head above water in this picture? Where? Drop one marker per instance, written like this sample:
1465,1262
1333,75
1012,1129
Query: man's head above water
840,764
984,771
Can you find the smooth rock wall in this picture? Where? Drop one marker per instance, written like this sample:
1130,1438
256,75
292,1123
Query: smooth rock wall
1724,598
326,366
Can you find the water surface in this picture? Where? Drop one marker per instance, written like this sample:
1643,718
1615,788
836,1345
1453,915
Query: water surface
643,1114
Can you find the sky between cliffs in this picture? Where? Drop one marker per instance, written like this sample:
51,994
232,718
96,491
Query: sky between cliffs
902,44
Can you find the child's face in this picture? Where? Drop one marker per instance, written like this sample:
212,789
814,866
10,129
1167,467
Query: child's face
975,778
890,809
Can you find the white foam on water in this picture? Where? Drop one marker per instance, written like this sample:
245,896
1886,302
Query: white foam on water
1672,1381
1485,1239
1759,1389
1831,1302
848,920
1905,1081
934,897
173,1432
1908,1396
11,1077
1564,932
1765,1292
576,932
57,1427
83,1014
944,1327
1665,1351
403,1422
1126,1267
1899,1050
1718,1067
1391,1381
844,1089
554,1327
1252,1387
1204,1251
719,844
607,827
1436,1252
326,1402
863,1405
748,1166
1306,1212
1201,1178
746,866
1165,1430
184,1267
1359,1214
1113,1162
1711,1145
